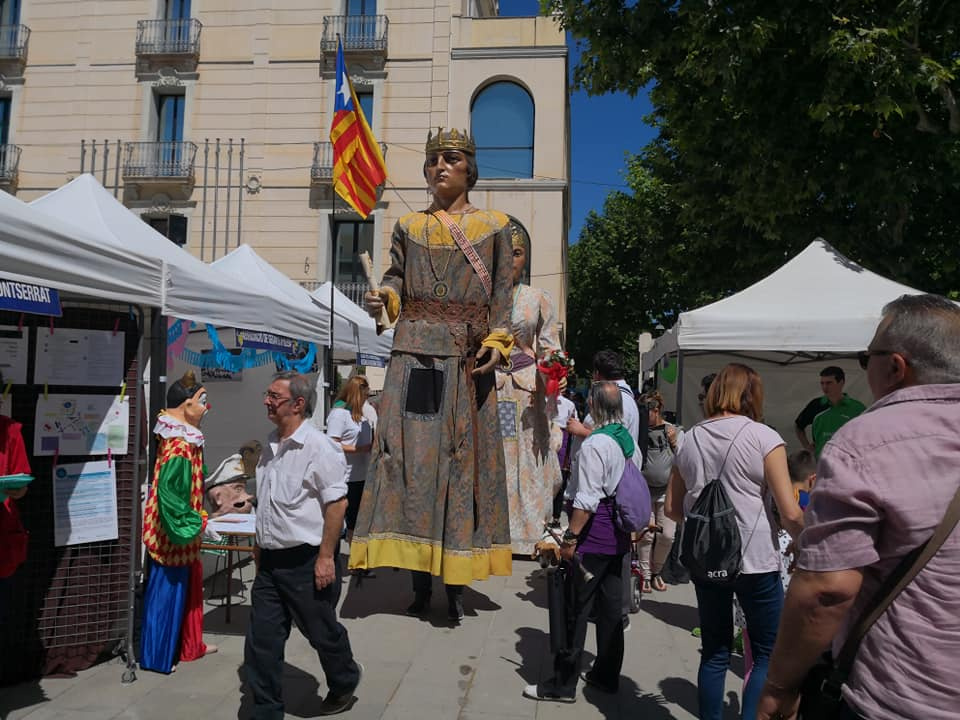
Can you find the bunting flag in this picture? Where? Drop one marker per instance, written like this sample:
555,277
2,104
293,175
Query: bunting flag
358,166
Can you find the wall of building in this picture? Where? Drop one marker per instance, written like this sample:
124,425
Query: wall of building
262,78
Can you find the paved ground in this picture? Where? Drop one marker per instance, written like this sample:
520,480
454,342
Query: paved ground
416,669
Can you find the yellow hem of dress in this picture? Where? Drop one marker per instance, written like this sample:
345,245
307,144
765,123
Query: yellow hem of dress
456,568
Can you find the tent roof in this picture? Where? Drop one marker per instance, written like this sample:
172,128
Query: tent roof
819,301
194,290
40,249
366,327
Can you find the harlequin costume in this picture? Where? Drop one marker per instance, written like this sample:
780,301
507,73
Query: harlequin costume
173,521
435,497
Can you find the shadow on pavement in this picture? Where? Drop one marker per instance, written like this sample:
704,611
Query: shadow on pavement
26,694
537,582
215,620
388,591
682,692
680,616
533,647
301,693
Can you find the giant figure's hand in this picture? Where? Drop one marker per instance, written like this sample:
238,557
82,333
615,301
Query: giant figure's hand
490,364
374,302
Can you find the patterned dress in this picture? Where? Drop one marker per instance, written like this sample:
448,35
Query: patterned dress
435,499
530,438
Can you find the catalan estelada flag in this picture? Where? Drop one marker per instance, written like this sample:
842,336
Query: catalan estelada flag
358,166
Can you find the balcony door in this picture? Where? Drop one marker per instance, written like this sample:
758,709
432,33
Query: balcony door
352,238
361,25
4,120
177,15
169,133
9,12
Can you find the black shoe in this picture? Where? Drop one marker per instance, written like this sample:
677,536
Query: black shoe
335,703
455,609
420,604
588,677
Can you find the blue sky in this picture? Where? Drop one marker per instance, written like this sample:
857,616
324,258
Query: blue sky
603,129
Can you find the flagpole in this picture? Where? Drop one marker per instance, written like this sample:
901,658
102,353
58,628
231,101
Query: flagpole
333,276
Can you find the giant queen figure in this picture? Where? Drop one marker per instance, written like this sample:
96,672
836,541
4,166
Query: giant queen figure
435,500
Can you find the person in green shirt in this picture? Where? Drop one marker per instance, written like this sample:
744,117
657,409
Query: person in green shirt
827,413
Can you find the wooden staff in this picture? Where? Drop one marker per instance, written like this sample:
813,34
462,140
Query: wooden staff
383,321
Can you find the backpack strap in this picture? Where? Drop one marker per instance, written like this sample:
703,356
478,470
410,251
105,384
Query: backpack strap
703,461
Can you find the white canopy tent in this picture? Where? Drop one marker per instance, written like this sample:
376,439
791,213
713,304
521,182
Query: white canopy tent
810,313
194,290
43,250
367,340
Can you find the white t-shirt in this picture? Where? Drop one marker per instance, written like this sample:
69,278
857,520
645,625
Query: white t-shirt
743,479
340,424
565,410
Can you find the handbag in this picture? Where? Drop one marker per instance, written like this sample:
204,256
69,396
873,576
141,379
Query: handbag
821,697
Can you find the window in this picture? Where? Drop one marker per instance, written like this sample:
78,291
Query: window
4,120
365,98
9,12
177,10
353,238
361,24
169,134
501,121
172,227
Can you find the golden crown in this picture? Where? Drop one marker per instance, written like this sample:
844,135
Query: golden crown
452,139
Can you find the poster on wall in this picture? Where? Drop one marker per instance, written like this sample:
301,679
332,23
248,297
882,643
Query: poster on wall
13,354
79,357
84,503
81,425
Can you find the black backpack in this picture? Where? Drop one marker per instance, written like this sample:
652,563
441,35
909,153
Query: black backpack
711,548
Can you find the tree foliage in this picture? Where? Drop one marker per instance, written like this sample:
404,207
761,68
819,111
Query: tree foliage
780,122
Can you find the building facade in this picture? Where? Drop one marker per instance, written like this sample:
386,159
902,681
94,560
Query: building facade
211,118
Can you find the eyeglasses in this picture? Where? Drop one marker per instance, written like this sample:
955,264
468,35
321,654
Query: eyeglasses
863,357
275,399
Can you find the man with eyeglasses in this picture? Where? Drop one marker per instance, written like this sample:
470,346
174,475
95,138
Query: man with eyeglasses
302,497
884,482
827,413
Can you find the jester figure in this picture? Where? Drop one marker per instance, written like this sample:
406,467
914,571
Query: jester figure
173,523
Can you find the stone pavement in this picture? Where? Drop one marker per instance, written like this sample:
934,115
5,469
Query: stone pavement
414,669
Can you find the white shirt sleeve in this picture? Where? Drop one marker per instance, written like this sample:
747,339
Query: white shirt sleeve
593,469
336,423
329,471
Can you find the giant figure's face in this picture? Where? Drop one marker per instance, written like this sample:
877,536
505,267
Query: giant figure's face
196,407
447,172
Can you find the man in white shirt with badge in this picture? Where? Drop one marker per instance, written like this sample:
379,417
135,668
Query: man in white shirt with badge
301,500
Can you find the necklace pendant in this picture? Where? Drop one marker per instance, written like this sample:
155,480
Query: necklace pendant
440,289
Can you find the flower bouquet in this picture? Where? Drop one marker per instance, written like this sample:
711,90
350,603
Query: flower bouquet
555,365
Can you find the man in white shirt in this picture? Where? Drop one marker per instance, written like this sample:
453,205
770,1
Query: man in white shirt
301,492
608,366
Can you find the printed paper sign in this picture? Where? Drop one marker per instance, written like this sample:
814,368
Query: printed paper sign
14,348
79,357
81,425
84,503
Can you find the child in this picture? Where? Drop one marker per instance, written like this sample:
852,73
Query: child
802,466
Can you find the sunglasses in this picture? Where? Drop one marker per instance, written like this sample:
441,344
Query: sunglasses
863,357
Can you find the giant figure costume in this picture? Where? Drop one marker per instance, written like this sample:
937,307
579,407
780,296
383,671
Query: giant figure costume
172,525
435,498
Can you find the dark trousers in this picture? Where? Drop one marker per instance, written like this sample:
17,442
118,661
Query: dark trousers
761,597
604,591
284,591
423,585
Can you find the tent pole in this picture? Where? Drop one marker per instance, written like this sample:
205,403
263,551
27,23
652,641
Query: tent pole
679,387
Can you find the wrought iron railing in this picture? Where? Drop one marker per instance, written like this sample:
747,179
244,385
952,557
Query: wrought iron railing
13,42
9,163
159,159
322,168
168,37
353,290
357,32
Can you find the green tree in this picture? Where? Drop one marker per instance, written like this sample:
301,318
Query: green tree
783,121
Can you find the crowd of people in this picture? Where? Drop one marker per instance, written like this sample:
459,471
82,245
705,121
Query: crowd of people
469,463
